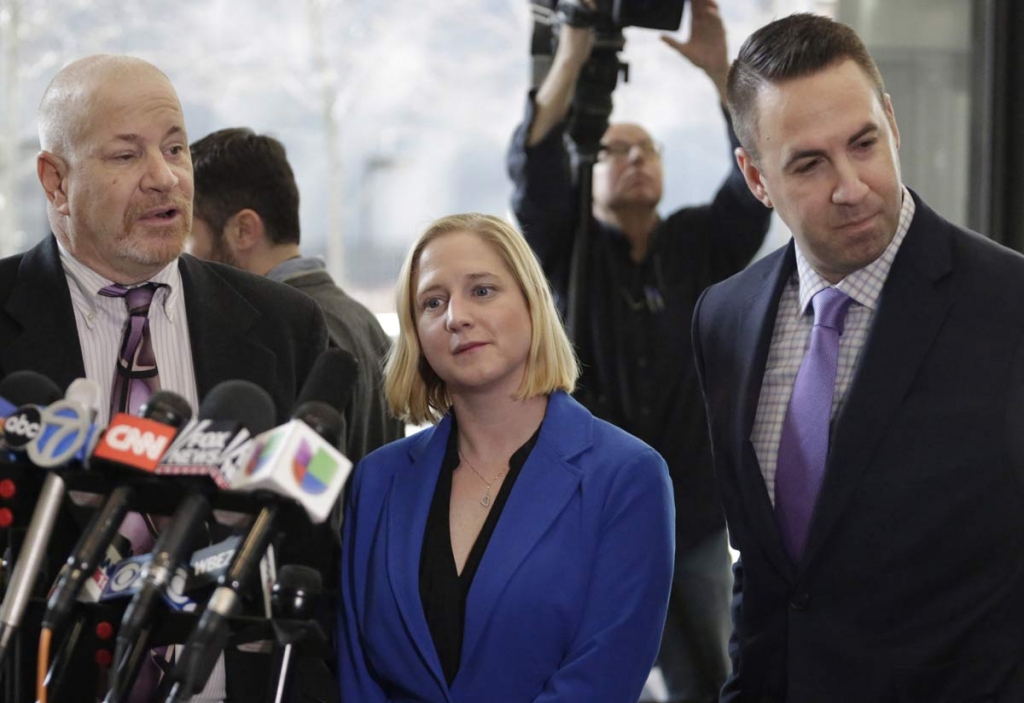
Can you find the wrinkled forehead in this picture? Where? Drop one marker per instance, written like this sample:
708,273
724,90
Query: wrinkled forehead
108,97
626,132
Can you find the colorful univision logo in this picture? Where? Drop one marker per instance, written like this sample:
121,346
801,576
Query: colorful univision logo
261,454
313,471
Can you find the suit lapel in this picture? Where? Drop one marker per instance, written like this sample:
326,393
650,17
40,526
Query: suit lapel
219,318
915,301
407,510
41,303
547,482
756,326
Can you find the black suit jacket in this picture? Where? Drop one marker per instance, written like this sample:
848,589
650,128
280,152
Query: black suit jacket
241,327
912,584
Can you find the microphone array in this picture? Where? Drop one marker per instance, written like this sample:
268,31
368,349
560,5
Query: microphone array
229,460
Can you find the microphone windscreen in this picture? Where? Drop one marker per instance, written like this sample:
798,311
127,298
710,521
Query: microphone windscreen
331,380
239,401
87,393
296,591
167,408
29,388
322,419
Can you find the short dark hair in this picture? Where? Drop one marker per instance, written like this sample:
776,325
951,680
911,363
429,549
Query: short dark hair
236,169
792,47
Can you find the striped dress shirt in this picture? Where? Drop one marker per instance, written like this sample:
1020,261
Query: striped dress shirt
792,337
101,321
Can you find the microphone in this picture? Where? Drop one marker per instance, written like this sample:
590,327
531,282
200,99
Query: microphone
294,596
26,392
332,380
65,428
292,461
129,444
231,399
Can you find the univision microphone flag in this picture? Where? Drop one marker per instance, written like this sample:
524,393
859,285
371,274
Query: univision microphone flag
295,461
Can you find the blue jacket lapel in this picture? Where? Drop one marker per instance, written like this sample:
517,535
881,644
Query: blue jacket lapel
411,495
548,481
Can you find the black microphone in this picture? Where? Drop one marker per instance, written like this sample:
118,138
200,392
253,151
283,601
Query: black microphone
241,401
28,392
126,446
332,380
306,446
294,596
65,429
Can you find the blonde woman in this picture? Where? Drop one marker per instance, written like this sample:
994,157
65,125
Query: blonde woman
520,549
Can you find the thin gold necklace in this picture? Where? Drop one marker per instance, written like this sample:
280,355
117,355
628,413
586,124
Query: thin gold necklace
486,500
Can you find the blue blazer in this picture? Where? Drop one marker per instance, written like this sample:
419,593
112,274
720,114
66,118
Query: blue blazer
569,600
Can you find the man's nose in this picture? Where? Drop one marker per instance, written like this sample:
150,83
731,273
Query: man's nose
850,188
159,175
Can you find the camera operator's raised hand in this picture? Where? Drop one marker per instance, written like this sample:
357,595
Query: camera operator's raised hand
554,97
706,47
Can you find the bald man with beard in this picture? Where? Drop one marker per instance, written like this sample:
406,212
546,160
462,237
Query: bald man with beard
115,169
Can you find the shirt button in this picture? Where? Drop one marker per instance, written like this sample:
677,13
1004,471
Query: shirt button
641,362
799,601
645,411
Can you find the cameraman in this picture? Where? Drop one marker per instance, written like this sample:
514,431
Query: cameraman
642,276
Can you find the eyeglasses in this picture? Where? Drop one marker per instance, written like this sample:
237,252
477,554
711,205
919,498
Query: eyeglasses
622,150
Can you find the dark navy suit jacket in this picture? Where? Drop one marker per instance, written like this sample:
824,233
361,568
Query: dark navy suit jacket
569,600
912,584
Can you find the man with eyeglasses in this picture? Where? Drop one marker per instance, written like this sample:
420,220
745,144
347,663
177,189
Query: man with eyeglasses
644,274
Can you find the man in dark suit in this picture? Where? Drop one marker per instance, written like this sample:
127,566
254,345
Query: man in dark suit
247,215
865,395
117,175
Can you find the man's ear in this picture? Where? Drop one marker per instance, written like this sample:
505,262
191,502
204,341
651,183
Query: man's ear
244,230
752,175
891,116
51,170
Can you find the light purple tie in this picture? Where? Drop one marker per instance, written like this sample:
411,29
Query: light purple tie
135,377
803,447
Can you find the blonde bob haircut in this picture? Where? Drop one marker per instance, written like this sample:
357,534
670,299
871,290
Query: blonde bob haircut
414,392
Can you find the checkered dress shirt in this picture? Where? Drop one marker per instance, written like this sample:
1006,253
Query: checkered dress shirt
792,336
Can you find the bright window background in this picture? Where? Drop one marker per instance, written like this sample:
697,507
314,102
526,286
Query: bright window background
393,113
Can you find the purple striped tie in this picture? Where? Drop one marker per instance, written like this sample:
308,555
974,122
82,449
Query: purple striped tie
135,379
136,375
803,446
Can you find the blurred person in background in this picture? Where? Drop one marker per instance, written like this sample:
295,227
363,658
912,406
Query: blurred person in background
246,214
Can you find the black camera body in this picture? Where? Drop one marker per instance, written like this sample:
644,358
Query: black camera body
649,14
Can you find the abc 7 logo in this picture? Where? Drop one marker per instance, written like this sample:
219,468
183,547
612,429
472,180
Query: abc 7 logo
64,428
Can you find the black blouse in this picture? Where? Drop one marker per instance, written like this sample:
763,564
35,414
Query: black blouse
443,590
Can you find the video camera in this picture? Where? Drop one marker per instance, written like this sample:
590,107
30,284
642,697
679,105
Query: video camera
592,103
649,14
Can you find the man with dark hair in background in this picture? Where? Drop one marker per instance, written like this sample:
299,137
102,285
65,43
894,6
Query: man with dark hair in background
247,215
865,394
643,276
